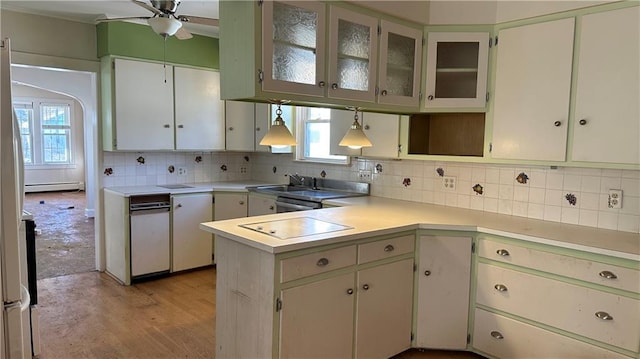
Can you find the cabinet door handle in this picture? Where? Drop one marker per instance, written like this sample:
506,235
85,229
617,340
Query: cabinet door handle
167,126
334,86
497,335
557,123
367,127
502,252
322,262
349,291
257,129
427,273
365,287
179,205
608,275
604,316
230,128
321,84
500,287
388,248
582,122
272,208
180,126
430,97
383,93
241,203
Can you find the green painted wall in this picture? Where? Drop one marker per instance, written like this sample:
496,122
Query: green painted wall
139,41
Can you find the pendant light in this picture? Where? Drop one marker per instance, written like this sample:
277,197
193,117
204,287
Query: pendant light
355,137
278,135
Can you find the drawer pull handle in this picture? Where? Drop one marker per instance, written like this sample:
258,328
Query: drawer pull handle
349,291
503,252
389,248
322,262
608,275
365,287
500,287
427,273
604,316
497,335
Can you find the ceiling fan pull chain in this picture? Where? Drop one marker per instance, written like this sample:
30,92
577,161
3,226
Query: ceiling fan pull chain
164,57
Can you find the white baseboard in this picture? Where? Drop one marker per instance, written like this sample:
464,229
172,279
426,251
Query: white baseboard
54,187
89,212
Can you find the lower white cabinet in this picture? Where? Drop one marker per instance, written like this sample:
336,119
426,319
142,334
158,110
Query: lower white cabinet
444,278
502,337
191,246
259,205
229,206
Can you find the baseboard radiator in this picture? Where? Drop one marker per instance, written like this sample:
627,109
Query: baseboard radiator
47,187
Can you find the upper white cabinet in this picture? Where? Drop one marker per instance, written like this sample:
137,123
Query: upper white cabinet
319,52
353,48
138,107
532,90
456,69
399,70
142,106
383,130
607,113
239,126
198,118
294,47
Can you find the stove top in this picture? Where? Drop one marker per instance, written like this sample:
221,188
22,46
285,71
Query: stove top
295,227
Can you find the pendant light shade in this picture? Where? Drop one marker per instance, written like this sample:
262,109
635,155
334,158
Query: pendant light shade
278,135
355,138
165,26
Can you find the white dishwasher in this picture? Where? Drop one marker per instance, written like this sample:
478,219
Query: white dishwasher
150,242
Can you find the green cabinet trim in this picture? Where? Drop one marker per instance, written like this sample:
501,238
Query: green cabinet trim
140,42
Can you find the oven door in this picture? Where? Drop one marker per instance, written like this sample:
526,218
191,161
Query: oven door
290,205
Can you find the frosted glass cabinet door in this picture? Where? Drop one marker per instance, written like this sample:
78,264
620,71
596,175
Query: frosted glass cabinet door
400,64
607,116
352,54
294,47
456,69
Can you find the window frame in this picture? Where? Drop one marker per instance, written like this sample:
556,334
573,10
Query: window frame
302,118
38,131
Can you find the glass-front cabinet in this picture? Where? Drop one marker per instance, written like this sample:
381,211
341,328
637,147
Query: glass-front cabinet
294,47
400,54
456,72
352,55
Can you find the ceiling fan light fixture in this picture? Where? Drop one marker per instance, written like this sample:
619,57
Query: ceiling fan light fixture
355,138
165,26
278,135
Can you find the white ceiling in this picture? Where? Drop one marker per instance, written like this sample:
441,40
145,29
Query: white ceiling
88,11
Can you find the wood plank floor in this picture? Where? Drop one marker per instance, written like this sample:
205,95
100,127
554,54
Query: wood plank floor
90,315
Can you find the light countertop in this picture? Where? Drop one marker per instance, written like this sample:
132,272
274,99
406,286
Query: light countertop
226,186
373,216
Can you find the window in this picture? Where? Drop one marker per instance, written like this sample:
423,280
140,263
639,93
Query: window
314,136
45,131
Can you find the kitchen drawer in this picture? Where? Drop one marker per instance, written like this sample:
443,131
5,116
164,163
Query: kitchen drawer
316,263
566,306
582,269
503,337
391,247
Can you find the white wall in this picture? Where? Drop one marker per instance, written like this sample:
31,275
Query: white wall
542,197
36,175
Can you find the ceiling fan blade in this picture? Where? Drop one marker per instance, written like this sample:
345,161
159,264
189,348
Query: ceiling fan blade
147,6
198,20
124,18
183,34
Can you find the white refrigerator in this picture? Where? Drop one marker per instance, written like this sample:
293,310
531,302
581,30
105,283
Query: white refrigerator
15,316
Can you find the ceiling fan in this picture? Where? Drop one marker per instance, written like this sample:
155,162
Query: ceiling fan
164,21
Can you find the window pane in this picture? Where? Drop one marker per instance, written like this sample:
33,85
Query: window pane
316,141
55,115
55,145
24,116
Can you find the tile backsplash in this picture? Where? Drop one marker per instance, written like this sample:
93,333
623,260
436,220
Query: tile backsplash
568,195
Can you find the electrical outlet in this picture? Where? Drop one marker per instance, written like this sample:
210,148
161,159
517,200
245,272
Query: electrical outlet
364,175
182,171
243,169
615,199
449,183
